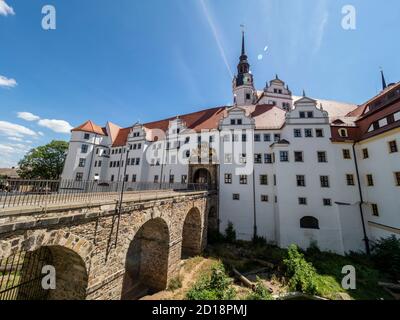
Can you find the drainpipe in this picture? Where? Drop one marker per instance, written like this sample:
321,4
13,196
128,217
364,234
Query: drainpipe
254,192
367,246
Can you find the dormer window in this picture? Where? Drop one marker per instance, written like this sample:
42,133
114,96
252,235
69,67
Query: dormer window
239,121
343,133
302,115
86,136
310,114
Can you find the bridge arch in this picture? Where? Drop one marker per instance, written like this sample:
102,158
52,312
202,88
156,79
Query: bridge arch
24,271
192,234
146,264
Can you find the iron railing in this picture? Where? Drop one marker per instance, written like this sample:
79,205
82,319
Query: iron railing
21,275
19,193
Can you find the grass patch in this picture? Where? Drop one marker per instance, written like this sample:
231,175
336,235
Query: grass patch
215,286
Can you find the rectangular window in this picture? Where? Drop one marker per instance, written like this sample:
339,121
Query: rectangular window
297,133
284,156
156,179
310,114
268,158
298,156
239,122
112,178
350,179
226,138
263,179
327,202
264,198
324,181
346,154
393,147
228,178
244,137
236,196
184,178
319,133
303,201
322,157
370,180
277,137
365,153
233,122
243,179
126,177
274,180
257,137
82,162
79,176
137,161
308,133
84,148
375,210
171,178
99,164
267,137
301,180
87,136
258,158
397,178
302,114
228,158
242,158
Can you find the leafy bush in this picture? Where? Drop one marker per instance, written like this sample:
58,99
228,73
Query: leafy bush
215,237
260,292
259,241
216,286
386,256
175,283
313,249
230,233
302,275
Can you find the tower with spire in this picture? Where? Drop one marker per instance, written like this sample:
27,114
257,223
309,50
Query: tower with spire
243,85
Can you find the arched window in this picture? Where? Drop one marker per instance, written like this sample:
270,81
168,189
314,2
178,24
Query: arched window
309,223
343,133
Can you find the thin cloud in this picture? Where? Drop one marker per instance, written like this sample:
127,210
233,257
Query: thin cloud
59,126
7,83
27,116
216,35
321,16
5,9
15,130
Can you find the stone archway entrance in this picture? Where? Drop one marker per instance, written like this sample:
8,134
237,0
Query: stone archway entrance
22,275
192,234
146,266
202,176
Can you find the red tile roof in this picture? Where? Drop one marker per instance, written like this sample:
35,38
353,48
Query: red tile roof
89,126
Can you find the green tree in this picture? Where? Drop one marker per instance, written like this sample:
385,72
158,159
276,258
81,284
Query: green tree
44,162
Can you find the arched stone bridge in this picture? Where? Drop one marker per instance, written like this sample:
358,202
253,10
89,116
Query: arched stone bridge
98,255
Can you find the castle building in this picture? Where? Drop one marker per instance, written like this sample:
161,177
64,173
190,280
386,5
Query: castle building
287,168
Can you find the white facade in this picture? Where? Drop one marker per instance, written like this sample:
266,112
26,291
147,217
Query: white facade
282,172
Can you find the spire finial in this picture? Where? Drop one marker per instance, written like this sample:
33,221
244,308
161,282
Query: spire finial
384,86
276,76
243,42
304,93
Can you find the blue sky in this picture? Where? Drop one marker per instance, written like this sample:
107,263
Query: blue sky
131,60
